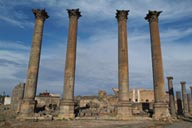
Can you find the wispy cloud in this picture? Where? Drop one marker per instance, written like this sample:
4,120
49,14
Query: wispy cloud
13,45
97,62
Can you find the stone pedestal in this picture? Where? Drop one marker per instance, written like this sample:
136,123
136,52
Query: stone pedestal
184,99
124,111
66,110
179,103
161,111
28,105
67,104
27,109
160,107
171,97
124,107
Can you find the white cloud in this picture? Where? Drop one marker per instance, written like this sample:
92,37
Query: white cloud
97,44
13,45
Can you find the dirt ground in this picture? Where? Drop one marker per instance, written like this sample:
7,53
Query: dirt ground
93,124
7,120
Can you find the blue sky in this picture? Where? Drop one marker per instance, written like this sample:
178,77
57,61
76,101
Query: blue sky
97,65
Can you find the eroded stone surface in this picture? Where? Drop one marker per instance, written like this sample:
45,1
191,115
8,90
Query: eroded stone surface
67,104
28,104
160,105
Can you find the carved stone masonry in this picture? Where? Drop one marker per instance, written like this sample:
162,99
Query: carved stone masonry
189,102
171,96
160,105
179,103
184,97
124,107
28,104
67,103
40,14
152,16
74,13
122,15
191,91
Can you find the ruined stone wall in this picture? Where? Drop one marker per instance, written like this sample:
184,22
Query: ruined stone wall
47,100
17,96
146,95
141,95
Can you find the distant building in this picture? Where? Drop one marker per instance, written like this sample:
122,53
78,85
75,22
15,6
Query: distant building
47,99
140,95
7,100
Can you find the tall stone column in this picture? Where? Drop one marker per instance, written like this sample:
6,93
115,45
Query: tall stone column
189,102
67,103
191,91
184,98
179,103
28,104
160,105
171,96
124,107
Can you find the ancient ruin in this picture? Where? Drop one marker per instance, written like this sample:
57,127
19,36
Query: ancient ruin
28,103
171,97
160,106
179,103
189,102
17,97
124,104
184,98
67,103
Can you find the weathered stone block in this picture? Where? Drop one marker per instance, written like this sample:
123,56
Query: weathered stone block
66,110
27,108
124,111
161,111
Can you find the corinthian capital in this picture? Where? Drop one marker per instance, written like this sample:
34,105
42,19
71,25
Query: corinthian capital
170,78
74,13
40,14
153,16
122,14
183,82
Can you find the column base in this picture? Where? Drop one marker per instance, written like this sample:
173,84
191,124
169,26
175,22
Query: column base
161,111
190,110
124,110
186,114
27,109
172,114
66,110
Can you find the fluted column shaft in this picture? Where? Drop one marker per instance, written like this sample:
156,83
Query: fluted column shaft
171,96
33,67
28,103
189,102
184,97
191,91
67,103
157,64
69,79
160,105
123,70
179,103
